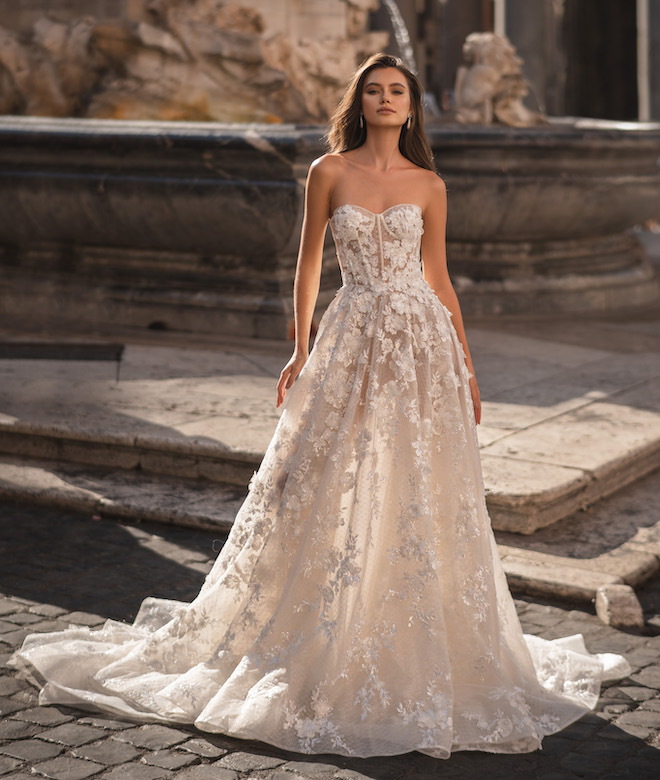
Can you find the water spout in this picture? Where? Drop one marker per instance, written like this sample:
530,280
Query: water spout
401,34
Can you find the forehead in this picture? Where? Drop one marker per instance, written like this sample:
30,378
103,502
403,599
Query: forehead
386,76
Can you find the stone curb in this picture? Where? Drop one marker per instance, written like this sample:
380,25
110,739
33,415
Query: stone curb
521,513
528,572
528,512
149,454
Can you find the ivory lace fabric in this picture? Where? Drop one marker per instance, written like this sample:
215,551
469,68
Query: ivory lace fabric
359,605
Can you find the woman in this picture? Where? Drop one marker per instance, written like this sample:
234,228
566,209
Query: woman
359,605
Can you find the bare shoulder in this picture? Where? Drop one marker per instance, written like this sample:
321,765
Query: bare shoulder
433,186
327,166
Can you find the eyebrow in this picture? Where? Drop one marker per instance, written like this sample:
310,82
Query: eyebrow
376,84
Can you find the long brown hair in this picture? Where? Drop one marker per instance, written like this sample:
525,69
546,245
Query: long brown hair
345,132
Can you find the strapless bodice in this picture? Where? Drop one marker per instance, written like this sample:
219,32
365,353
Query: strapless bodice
379,251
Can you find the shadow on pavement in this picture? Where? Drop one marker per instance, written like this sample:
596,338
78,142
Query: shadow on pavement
97,566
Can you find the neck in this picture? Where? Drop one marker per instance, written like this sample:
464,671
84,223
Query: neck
381,148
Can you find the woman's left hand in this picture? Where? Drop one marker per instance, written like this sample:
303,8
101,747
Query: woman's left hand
476,399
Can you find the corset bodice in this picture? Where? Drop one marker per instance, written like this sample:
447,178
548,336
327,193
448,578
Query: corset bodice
379,251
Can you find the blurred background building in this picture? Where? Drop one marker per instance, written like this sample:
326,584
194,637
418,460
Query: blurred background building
593,58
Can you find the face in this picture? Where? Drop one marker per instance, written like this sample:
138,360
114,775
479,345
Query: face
386,98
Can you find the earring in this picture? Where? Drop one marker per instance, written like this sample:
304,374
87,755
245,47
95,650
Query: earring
361,121
409,121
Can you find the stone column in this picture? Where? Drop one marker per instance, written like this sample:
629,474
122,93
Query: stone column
654,58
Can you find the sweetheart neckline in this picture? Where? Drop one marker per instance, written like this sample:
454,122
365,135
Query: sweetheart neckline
375,213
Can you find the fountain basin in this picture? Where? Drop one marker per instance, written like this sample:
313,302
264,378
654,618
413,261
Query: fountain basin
195,226
187,226
539,217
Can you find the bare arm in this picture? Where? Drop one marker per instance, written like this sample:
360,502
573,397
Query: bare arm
434,258
308,269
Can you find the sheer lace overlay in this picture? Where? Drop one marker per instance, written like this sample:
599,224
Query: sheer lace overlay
359,605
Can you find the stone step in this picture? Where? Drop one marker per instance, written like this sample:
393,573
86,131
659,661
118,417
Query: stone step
522,495
162,455
569,561
121,494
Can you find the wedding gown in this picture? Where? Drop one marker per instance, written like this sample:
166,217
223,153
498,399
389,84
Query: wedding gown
359,605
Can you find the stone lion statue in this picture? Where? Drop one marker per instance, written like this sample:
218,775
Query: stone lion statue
490,87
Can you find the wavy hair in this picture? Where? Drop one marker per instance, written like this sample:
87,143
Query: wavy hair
345,132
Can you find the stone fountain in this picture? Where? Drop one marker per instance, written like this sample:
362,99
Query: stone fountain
193,225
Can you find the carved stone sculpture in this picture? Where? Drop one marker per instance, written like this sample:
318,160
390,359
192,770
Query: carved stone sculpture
490,87
189,59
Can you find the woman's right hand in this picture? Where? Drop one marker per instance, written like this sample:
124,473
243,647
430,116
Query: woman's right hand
289,373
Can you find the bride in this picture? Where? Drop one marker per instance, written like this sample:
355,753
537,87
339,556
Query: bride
359,605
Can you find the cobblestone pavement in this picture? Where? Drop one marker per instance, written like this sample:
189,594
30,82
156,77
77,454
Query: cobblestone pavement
59,568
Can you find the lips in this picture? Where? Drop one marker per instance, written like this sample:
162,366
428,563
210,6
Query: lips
385,111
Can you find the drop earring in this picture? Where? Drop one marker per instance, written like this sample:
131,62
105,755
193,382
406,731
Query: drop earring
408,122
361,121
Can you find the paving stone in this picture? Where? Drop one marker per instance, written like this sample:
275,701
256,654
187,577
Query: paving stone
606,749
651,704
7,764
83,618
638,693
153,737
106,723
583,765
614,710
207,772
7,706
578,731
649,676
31,750
7,606
557,746
638,767
635,730
244,762
70,734
18,729
202,747
47,610
137,772
5,627
616,694
44,716
563,775
643,656
9,685
26,697
168,759
24,618
66,768
15,638
640,717
19,776
109,752
49,626
311,768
